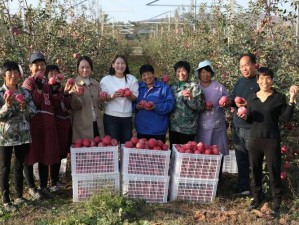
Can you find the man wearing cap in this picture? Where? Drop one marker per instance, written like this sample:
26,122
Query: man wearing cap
44,146
245,86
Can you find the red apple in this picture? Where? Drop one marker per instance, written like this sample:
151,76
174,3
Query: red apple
208,105
114,142
134,140
76,55
121,92
152,142
127,93
148,105
283,150
208,151
165,147
86,142
20,98
239,100
287,165
256,66
106,140
140,145
8,93
60,77
156,148
71,81
80,89
103,94
142,102
52,80
92,143
165,78
97,139
242,110
101,144
129,144
223,100
283,175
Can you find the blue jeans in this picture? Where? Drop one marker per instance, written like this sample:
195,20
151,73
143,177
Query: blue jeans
241,141
119,128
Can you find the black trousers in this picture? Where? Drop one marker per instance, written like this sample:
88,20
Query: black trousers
179,138
270,148
43,175
5,163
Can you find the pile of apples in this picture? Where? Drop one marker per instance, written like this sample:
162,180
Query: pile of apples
95,142
192,147
143,143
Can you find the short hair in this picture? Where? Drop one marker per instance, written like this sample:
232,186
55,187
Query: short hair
112,70
207,68
9,66
50,68
146,68
84,57
183,64
251,57
265,71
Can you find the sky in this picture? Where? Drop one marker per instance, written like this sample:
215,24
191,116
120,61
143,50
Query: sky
134,10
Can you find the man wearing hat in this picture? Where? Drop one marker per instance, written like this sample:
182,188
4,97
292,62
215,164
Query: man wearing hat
245,86
44,147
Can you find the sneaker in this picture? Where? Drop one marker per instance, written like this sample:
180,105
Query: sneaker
46,192
253,205
60,184
20,201
9,207
35,194
54,188
243,193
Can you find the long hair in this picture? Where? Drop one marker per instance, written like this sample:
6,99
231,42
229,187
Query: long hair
112,70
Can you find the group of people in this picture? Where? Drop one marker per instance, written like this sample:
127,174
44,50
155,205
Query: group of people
42,127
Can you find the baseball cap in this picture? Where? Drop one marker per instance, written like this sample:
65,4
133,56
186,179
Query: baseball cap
37,56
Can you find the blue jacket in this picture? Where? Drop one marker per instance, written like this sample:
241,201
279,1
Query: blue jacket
154,122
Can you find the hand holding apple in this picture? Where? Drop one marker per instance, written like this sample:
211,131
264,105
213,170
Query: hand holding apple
80,90
223,101
293,92
240,102
242,113
186,93
8,97
149,106
103,96
209,105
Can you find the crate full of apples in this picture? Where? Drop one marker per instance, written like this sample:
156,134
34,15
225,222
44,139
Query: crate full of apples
84,186
145,157
102,158
230,163
196,160
203,191
153,189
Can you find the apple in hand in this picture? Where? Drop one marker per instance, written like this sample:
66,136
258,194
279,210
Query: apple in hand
76,55
20,98
39,75
223,101
148,105
71,81
121,92
127,93
242,111
208,105
165,78
239,100
8,93
52,81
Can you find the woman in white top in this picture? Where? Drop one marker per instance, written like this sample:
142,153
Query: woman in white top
122,89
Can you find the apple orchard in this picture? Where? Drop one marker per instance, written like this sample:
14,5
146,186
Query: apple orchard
264,28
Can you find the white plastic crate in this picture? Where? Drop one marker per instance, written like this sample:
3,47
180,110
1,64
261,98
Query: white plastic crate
149,188
84,186
203,191
198,166
62,169
94,160
230,163
145,162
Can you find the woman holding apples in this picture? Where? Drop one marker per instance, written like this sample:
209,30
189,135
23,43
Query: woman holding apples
154,103
211,125
16,110
86,105
44,146
120,89
63,122
264,109
189,100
